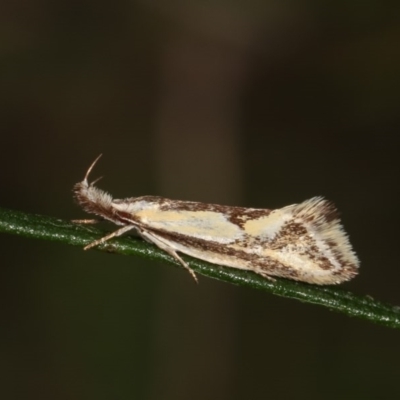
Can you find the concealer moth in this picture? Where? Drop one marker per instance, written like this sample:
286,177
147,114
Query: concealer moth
305,242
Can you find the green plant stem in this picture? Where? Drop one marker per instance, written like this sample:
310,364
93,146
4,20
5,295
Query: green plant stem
335,298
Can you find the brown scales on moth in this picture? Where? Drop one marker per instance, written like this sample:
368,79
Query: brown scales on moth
305,241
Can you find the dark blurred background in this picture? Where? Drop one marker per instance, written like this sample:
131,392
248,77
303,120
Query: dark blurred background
256,103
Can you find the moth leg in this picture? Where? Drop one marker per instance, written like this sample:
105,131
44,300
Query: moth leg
169,250
86,221
116,233
265,275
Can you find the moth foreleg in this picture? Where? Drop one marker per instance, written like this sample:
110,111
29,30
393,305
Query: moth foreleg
116,233
168,249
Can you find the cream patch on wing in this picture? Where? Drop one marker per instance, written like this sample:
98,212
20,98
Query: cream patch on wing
206,225
297,261
326,251
134,206
267,227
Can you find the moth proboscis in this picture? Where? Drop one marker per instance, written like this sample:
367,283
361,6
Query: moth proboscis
305,242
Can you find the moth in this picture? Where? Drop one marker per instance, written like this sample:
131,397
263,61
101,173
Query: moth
304,242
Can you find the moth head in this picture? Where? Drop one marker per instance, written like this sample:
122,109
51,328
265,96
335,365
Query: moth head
89,197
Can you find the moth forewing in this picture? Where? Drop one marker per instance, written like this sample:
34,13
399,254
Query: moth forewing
305,241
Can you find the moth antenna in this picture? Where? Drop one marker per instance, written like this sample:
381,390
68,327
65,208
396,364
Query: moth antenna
91,167
96,180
